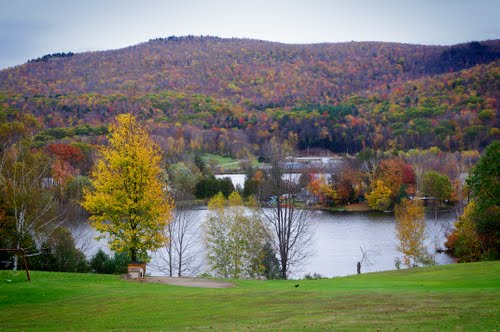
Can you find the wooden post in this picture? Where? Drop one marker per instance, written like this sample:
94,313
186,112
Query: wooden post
26,265
24,260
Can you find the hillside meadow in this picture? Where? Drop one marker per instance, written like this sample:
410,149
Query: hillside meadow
459,297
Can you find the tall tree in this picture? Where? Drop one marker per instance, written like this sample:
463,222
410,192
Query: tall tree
289,225
410,231
28,196
29,211
484,183
181,256
417,158
398,176
437,186
370,161
464,242
129,201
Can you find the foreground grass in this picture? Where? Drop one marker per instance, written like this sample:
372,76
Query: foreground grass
460,297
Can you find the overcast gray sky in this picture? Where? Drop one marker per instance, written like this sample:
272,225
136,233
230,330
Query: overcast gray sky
32,28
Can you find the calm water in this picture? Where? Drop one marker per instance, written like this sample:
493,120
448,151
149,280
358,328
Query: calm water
337,238
238,180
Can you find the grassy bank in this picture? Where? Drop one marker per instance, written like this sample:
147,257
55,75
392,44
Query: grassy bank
460,297
224,163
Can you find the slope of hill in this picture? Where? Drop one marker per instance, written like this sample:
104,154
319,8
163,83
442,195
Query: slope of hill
262,72
343,96
457,297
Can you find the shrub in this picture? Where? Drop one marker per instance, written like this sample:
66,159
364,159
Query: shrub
103,263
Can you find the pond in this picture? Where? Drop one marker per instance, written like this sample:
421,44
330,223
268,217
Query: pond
340,236
336,242
236,179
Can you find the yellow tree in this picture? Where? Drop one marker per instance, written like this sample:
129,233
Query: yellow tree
380,197
129,203
465,242
410,231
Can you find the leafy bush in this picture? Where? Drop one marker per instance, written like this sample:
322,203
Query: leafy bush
102,263
270,262
210,186
58,253
315,275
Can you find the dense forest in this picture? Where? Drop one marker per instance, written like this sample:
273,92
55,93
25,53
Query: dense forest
229,96
410,120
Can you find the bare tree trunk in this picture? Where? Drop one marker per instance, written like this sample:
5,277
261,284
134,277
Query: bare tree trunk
16,258
20,234
170,249
180,250
181,253
290,227
179,267
365,259
170,263
28,193
186,244
133,255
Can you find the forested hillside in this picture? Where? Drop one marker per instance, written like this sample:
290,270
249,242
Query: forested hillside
419,116
228,96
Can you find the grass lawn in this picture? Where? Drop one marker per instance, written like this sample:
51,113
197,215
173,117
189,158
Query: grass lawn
459,297
225,162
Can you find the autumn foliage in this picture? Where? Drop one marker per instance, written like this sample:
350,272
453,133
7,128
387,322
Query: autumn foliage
410,231
323,190
129,201
226,95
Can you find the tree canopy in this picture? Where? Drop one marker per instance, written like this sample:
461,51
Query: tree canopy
484,183
129,201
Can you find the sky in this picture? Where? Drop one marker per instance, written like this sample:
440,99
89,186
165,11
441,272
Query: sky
32,28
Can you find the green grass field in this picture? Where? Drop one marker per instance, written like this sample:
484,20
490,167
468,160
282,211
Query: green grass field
459,297
226,163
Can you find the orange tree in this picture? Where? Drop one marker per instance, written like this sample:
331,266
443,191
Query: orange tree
320,188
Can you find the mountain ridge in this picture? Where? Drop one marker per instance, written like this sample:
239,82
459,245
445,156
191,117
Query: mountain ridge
231,67
228,95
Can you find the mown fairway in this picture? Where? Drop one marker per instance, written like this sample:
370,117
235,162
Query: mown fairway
460,297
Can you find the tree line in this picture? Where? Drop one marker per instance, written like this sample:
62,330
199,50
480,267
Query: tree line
132,191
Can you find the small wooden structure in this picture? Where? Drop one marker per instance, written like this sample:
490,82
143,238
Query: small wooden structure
136,270
21,251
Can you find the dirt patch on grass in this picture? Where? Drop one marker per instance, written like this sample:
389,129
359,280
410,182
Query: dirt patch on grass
357,207
185,282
